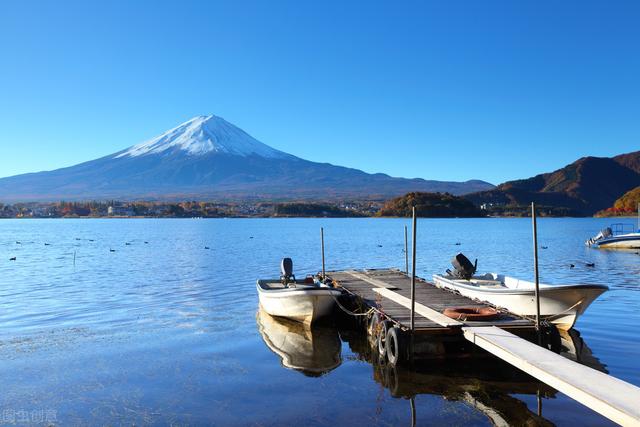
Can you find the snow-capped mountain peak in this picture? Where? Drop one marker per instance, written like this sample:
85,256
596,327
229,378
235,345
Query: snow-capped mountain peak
203,135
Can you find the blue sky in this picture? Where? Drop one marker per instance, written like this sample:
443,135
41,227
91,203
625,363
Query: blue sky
449,90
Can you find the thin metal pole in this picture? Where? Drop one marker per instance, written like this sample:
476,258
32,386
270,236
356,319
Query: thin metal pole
539,399
535,267
406,251
322,244
413,270
413,281
413,412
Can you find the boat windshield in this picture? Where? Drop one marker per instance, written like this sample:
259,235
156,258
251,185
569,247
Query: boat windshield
623,228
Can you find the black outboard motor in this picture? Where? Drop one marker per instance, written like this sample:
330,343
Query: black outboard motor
462,267
286,271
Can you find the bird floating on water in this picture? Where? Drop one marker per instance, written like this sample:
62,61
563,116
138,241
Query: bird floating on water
590,264
544,247
571,265
18,243
206,247
111,250
458,243
47,244
12,259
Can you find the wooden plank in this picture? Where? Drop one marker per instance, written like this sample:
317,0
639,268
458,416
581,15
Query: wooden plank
371,280
421,309
615,399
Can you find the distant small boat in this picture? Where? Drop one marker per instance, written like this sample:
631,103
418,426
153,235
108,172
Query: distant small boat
617,236
305,300
559,304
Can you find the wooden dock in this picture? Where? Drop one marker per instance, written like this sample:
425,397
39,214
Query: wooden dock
388,292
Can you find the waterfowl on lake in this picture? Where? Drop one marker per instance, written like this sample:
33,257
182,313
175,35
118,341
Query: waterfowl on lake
12,259
559,304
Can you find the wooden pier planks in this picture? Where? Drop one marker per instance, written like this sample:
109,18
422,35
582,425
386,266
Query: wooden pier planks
420,309
367,285
615,399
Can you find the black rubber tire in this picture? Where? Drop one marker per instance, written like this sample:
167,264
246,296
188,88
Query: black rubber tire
395,347
392,380
381,340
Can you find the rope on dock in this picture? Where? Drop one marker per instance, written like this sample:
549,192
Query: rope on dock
346,310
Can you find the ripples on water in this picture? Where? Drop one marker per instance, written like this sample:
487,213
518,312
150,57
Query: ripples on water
166,332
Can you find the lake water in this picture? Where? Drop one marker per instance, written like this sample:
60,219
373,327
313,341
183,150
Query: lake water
163,331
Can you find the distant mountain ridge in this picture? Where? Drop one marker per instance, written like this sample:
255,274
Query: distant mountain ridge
210,158
583,187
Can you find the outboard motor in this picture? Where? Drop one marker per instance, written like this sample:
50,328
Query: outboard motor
462,267
601,235
286,271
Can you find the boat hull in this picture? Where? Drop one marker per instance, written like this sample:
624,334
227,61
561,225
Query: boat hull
619,242
560,305
306,305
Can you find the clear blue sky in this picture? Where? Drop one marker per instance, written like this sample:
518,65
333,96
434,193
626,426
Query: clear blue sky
448,90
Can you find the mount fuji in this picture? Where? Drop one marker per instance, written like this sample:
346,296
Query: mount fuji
208,157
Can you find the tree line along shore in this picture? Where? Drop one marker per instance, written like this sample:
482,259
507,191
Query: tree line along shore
428,205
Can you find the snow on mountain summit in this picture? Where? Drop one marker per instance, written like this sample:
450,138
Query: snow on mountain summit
203,135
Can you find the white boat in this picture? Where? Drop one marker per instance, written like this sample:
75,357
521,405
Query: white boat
617,236
305,301
559,304
313,351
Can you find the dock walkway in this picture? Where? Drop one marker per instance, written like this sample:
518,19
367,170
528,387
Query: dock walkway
389,292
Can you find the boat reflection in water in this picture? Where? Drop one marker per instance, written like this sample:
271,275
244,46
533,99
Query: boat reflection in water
477,378
313,350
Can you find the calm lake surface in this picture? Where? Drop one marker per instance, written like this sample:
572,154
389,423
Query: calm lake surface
168,332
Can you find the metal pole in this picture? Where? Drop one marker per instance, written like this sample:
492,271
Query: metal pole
413,412
322,244
406,251
535,268
413,281
413,270
539,399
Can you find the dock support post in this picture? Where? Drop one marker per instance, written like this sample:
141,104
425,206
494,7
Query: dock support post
413,412
535,269
413,277
406,250
322,247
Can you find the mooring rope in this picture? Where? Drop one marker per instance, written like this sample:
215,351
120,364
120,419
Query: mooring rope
352,313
